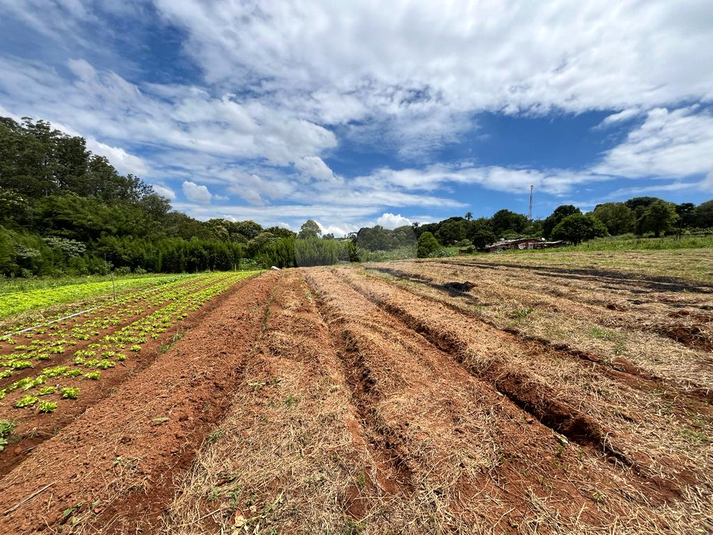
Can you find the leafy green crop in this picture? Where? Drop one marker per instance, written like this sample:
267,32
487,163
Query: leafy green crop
26,401
147,319
47,406
70,392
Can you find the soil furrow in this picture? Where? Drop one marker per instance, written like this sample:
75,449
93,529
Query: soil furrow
386,444
438,408
615,367
527,389
528,394
290,454
669,324
666,284
119,458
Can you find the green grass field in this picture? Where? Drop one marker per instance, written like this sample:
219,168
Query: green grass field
633,243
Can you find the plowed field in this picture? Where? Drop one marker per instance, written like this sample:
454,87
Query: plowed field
412,397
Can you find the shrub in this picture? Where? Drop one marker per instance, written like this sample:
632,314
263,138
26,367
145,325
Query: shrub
428,246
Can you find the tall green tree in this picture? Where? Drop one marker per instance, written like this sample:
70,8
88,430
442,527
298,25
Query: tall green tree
428,245
703,215
616,216
310,229
481,234
577,228
659,217
452,231
505,220
556,217
686,213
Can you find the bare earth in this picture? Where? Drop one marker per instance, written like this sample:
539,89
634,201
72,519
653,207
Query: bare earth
452,396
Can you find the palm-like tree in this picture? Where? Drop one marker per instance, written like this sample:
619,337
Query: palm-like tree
468,216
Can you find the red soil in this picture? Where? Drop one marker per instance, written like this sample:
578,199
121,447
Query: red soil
118,458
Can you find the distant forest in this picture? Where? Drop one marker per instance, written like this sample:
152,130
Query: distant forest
64,210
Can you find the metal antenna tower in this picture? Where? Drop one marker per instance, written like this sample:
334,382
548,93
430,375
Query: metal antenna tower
529,213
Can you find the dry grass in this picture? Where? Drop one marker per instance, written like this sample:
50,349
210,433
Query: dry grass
688,264
349,421
587,315
587,476
657,436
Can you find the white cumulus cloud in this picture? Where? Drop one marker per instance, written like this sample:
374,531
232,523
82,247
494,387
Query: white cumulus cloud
392,221
164,191
314,167
123,161
196,193
669,144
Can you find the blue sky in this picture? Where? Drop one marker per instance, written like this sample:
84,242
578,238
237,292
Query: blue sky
358,113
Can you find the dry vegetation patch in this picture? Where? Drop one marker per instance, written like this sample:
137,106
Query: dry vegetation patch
481,455
657,439
660,334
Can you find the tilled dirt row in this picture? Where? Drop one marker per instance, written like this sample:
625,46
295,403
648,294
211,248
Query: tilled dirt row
471,458
678,311
582,400
291,455
641,340
615,278
648,439
112,469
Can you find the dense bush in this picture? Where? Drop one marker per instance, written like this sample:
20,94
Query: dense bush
428,246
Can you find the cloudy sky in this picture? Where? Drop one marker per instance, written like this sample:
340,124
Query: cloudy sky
364,112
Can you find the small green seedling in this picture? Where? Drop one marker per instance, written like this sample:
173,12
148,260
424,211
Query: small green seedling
70,392
94,376
47,406
26,401
6,428
56,371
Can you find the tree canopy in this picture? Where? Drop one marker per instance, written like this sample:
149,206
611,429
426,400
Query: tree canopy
578,227
616,216
557,216
310,229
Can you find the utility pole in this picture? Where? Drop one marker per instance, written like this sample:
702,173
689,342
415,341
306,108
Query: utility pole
529,213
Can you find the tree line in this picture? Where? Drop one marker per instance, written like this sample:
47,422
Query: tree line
640,216
66,210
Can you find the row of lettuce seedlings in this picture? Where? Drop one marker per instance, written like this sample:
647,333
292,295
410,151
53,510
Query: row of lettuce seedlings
181,299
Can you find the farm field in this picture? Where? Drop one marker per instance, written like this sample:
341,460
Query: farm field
490,394
45,301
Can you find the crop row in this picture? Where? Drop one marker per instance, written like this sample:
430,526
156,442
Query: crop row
51,339
18,302
155,312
